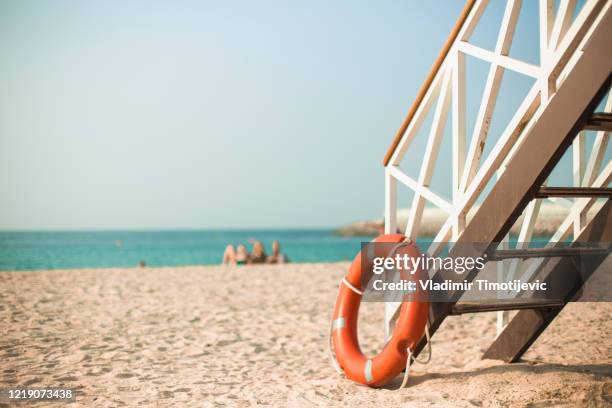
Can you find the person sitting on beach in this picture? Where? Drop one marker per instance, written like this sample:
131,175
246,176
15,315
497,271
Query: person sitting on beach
258,254
238,256
277,256
242,255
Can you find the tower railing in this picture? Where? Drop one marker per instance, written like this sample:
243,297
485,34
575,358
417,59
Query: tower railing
562,38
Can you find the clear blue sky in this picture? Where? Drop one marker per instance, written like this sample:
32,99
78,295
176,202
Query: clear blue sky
237,114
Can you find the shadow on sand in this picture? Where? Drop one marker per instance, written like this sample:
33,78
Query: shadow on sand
524,366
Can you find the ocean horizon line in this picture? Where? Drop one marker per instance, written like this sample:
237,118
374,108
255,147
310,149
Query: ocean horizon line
224,229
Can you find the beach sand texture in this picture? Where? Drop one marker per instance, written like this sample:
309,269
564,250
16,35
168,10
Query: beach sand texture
257,336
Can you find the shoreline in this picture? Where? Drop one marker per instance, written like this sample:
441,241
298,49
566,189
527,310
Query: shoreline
168,267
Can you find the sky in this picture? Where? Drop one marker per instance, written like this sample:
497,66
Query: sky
233,114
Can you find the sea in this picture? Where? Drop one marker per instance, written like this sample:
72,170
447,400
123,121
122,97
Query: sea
27,251
20,251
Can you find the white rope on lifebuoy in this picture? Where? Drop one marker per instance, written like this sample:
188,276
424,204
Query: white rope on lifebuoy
428,347
407,370
351,287
412,358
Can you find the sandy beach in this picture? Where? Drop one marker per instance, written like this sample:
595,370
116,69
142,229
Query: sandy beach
256,336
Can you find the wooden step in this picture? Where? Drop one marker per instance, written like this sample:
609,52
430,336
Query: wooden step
599,121
545,192
504,304
501,254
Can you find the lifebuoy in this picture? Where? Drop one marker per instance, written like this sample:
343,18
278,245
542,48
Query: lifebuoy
409,329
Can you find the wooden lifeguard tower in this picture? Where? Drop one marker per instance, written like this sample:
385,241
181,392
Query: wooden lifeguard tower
497,176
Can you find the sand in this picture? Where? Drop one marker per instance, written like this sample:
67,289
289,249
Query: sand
256,336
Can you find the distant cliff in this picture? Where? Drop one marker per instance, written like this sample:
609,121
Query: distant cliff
550,217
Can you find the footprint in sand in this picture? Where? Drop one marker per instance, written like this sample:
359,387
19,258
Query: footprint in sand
124,375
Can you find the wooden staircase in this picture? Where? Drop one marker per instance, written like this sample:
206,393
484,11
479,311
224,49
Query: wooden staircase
572,80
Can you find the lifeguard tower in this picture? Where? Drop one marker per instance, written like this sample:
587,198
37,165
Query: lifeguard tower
501,162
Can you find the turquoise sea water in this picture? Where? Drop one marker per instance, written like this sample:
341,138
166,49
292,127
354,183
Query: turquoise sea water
61,250
107,249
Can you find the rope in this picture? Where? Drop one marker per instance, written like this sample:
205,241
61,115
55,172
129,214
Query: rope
407,370
428,347
351,287
411,358
406,242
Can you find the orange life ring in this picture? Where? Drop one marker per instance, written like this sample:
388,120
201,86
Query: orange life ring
409,329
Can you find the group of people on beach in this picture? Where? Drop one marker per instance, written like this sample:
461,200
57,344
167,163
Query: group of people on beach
241,256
